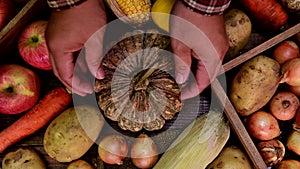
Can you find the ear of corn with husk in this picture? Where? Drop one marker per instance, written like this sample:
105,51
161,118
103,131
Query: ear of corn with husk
131,11
199,144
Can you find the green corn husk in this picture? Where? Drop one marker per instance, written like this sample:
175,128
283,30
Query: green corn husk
199,144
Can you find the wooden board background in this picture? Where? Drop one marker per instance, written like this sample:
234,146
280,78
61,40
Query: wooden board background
34,9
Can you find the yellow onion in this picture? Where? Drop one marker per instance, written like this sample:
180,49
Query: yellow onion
296,124
272,151
144,153
294,89
288,164
291,72
113,149
285,51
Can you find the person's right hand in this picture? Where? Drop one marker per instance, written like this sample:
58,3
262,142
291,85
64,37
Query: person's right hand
67,32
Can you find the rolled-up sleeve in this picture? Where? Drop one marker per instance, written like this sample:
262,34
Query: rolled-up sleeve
208,7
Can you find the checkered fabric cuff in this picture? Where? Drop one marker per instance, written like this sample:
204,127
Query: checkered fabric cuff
63,4
208,7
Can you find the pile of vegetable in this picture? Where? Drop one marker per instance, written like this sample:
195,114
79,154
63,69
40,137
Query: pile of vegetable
265,92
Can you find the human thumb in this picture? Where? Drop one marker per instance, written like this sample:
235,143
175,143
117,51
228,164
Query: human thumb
182,59
93,49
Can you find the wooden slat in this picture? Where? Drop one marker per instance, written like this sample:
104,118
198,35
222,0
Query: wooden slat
238,126
260,48
235,121
9,34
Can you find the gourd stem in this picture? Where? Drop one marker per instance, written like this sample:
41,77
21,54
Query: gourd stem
148,73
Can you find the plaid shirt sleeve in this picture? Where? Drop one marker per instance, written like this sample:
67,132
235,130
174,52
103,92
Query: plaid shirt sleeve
63,4
208,7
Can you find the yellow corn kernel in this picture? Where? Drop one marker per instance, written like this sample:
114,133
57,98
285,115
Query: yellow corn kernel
137,10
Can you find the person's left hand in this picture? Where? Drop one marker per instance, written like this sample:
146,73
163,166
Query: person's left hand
201,37
67,32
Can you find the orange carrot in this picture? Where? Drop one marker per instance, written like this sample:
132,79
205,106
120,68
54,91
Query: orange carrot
40,115
268,14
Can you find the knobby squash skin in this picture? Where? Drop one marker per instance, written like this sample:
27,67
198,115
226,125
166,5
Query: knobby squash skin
269,15
254,84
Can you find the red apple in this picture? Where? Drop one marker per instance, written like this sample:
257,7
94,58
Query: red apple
19,88
32,45
7,11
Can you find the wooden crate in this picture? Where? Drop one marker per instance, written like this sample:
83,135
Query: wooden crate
235,121
10,32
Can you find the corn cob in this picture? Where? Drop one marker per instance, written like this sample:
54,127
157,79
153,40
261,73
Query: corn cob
137,10
198,145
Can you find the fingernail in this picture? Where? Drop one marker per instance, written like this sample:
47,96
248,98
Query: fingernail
179,78
100,74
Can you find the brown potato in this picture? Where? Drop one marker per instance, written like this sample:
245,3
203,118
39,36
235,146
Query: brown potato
23,158
80,164
293,142
231,157
70,135
254,84
238,29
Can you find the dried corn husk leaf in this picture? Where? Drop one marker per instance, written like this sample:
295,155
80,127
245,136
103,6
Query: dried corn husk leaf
199,144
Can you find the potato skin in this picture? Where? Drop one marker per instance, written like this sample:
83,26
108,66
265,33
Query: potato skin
23,158
80,164
66,139
254,84
231,157
238,29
